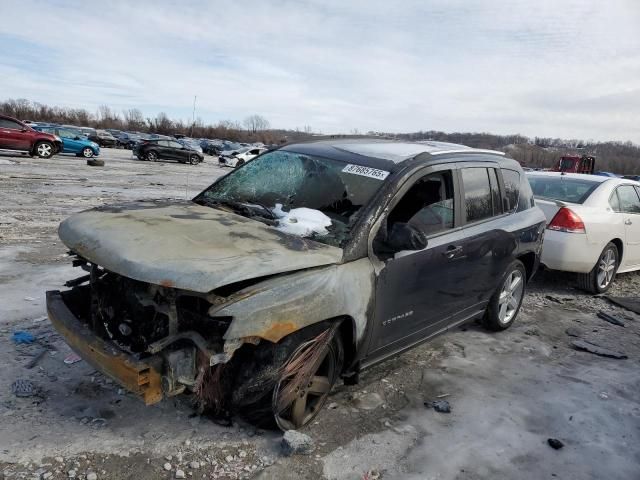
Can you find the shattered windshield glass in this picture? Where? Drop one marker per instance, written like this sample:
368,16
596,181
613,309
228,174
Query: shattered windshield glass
300,194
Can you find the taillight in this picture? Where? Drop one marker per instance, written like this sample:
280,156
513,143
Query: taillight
566,220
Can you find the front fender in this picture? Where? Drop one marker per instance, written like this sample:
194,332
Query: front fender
281,306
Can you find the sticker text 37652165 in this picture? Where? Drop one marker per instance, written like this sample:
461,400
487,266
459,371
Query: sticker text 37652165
366,171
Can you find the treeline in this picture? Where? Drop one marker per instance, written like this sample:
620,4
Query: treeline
618,157
254,128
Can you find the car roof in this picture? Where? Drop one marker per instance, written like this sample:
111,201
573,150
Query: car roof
582,176
378,153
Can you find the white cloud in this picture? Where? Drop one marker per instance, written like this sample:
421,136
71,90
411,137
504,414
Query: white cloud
566,69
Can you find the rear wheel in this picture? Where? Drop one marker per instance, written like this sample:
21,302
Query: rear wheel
505,304
43,149
239,163
87,152
152,156
599,279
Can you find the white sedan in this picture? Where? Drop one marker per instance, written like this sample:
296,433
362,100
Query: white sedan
593,225
240,157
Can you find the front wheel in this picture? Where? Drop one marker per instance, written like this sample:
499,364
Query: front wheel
505,304
600,278
87,152
194,160
44,149
305,365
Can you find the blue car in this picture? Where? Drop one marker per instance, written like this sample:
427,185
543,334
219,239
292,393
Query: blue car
73,141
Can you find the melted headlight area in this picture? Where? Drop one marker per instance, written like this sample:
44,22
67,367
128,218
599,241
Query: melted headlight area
150,321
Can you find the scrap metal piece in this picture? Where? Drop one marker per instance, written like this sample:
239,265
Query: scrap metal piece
597,349
630,303
608,318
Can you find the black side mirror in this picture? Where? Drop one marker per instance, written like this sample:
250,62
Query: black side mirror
403,236
76,138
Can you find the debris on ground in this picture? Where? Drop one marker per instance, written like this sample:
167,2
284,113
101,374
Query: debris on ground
573,332
71,359
554,299
24,388
20,337
180,474
368,401
597,349
36,358
440,406
611,319
630,303
294,442
555,443
371,475
95,162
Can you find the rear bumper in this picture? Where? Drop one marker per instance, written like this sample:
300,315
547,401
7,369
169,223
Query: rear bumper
141,378
569,252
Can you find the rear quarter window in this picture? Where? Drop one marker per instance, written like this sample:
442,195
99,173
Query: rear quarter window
511,180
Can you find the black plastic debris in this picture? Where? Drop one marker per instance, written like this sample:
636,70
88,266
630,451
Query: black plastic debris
555,443
597,349
573,332
440,406
611,319
630,303
24,388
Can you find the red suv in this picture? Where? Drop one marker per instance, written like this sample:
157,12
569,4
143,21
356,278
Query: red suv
15,135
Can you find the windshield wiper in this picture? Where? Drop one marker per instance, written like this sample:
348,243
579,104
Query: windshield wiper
272,215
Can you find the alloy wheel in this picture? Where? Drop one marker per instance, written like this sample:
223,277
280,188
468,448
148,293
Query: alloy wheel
87,152
295,406
606,268
44,150
510,296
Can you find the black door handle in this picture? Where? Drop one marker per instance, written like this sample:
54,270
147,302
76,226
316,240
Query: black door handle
452,251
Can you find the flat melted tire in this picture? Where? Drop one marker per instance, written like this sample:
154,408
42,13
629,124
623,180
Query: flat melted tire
263,392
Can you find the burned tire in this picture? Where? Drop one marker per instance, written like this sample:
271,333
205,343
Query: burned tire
505,303
95,162
267,391
43,149
600,278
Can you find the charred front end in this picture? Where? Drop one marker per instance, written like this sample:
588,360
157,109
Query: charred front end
154,340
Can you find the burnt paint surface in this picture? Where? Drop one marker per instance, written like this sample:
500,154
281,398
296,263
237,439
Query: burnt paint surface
280,306
188,246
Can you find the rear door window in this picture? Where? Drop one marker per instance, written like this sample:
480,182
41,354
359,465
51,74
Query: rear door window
6,123
478,199
628,198
511,180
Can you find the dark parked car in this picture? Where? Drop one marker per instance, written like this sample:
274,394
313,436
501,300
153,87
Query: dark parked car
128,140
16,135
154,150
307,264
104,138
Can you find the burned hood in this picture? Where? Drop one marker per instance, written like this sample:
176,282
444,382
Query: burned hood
188,246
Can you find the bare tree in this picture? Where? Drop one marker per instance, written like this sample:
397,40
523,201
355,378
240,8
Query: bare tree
256,123
133,119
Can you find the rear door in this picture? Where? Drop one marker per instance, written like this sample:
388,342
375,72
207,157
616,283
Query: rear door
177,151
71,145
486,245
629,209
12,137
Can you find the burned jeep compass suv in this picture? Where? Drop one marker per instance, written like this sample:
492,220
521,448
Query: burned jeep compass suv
310,263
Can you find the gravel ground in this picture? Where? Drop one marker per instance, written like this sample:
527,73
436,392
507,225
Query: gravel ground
509,392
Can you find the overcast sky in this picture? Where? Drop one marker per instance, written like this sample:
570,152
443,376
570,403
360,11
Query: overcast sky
561,68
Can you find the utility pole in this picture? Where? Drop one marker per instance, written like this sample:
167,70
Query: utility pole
193,116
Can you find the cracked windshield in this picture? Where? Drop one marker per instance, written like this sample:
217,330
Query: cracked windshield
300,194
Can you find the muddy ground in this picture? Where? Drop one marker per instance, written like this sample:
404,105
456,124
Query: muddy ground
509,392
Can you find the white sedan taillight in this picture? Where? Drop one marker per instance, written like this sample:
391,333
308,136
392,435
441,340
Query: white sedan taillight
566,220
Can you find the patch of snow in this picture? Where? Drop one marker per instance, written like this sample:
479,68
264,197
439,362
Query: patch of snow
302,221
6,162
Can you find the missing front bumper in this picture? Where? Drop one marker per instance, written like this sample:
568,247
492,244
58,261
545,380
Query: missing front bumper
142,378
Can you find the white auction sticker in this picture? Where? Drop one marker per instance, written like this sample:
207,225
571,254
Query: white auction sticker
366,171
